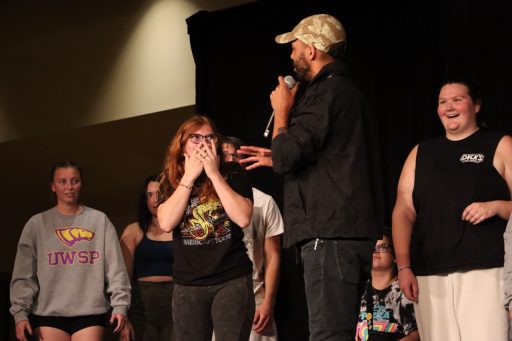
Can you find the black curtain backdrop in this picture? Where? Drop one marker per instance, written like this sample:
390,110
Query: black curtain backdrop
398,53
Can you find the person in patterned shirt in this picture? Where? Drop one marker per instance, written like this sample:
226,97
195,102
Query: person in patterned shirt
391,315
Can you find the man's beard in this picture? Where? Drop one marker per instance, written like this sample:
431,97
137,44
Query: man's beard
301,69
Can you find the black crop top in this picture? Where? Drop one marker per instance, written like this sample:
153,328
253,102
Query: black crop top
153,258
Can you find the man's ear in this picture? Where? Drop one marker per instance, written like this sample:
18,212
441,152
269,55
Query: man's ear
311,52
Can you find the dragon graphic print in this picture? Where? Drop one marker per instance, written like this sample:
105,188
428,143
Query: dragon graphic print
205,223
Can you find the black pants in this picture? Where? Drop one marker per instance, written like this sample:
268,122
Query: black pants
226,307
333,272
151,311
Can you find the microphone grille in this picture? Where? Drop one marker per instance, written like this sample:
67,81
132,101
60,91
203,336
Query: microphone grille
290,81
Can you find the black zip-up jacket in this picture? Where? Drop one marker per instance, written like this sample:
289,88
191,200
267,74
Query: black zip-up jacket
327,187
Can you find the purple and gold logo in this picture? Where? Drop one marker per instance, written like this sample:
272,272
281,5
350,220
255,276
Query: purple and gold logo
70,236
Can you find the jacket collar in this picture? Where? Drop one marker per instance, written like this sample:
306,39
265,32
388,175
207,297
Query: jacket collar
335,68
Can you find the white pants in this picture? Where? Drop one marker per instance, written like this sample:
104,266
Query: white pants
465,306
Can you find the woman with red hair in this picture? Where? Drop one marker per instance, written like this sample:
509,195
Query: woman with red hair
206,204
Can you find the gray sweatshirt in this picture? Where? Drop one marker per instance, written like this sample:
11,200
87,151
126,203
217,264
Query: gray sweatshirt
69,266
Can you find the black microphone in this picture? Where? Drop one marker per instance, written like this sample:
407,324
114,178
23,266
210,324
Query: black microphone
290,83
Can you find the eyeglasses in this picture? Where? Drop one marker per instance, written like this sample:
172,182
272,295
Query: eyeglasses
384,247
197,138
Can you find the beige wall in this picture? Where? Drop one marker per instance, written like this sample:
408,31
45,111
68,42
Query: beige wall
68,64
100,83
105,84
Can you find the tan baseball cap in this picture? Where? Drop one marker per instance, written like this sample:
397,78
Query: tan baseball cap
320,30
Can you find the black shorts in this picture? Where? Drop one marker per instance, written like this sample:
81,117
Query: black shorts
68,324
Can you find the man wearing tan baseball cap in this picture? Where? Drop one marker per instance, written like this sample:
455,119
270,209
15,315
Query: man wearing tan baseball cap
320,30
318,143
323,32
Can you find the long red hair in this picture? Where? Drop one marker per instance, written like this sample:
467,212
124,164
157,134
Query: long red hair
174,165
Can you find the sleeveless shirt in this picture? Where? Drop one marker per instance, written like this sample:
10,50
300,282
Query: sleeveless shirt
153,258
449,176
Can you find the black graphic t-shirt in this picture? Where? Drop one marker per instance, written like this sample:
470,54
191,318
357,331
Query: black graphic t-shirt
392,317
208,244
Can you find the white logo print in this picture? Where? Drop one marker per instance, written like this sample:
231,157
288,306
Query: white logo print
475,158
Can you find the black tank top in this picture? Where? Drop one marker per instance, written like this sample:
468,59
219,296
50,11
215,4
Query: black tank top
153,258
449,176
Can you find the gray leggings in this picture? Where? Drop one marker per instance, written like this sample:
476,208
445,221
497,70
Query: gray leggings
151,311
226,307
